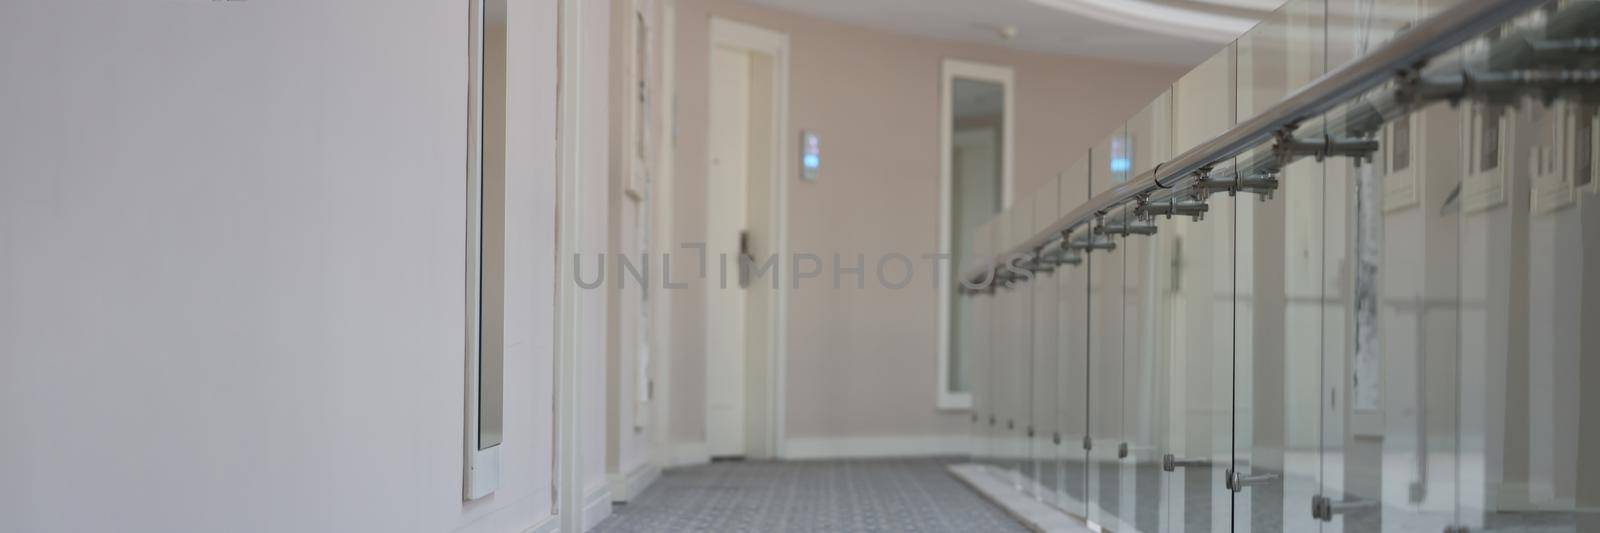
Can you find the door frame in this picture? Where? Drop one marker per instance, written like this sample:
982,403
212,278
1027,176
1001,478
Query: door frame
1003,75
662,212
737,35
571,302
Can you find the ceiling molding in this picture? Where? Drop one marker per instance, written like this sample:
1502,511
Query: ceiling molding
1158,18
1167,32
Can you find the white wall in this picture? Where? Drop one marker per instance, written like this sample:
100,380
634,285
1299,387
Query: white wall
595,191
231,279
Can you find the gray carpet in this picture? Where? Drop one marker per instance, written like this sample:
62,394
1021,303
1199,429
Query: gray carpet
807,496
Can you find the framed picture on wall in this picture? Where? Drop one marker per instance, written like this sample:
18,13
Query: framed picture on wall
1550,160
1488,143
1402,162
638,106
1586,158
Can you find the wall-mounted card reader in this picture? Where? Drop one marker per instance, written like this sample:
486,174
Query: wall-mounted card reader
810,156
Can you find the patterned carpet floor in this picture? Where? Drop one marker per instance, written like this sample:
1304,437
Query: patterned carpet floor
810,496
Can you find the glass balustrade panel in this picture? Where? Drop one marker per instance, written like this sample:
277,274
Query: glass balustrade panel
1103,260
1278,250
1072,368
1144,394
1043,423
1529,229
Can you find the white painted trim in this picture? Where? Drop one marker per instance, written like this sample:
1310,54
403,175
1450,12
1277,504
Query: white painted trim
1483,189
482,475
483,466
666,141
569,304
596,507
689,454
626,488
632,187
549,524
1556,189
635,351
1594,153
1006,76
780,317
731,34
953,68
871,447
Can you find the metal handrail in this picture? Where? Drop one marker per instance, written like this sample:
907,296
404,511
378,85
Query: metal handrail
1407,52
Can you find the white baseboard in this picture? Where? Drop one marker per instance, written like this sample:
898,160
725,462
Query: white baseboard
625,488
690,453
1524,496
1036,515
871,447
550,524
596,507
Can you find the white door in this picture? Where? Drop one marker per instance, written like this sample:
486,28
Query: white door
726,219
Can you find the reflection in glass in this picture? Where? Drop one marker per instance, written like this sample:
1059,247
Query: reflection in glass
1106,365
491,302
1112,160
1406,343
976,167
1584,141
1489,139
977,327
1276,283
1145,381
1044,424
1527,418
485,250
986,370
1074,400
1018,389
1400,150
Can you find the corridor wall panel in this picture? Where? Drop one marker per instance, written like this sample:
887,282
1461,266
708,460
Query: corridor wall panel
879,134
231,291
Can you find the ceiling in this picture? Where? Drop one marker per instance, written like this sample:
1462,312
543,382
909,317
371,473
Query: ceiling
1178,32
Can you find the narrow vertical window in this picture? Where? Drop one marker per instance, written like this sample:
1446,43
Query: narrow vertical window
977,129
485,249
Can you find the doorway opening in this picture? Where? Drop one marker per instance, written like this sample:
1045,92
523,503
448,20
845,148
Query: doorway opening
744,230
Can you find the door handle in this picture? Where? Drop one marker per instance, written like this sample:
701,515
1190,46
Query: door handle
1323,508
1237,481
1172,464
746,259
